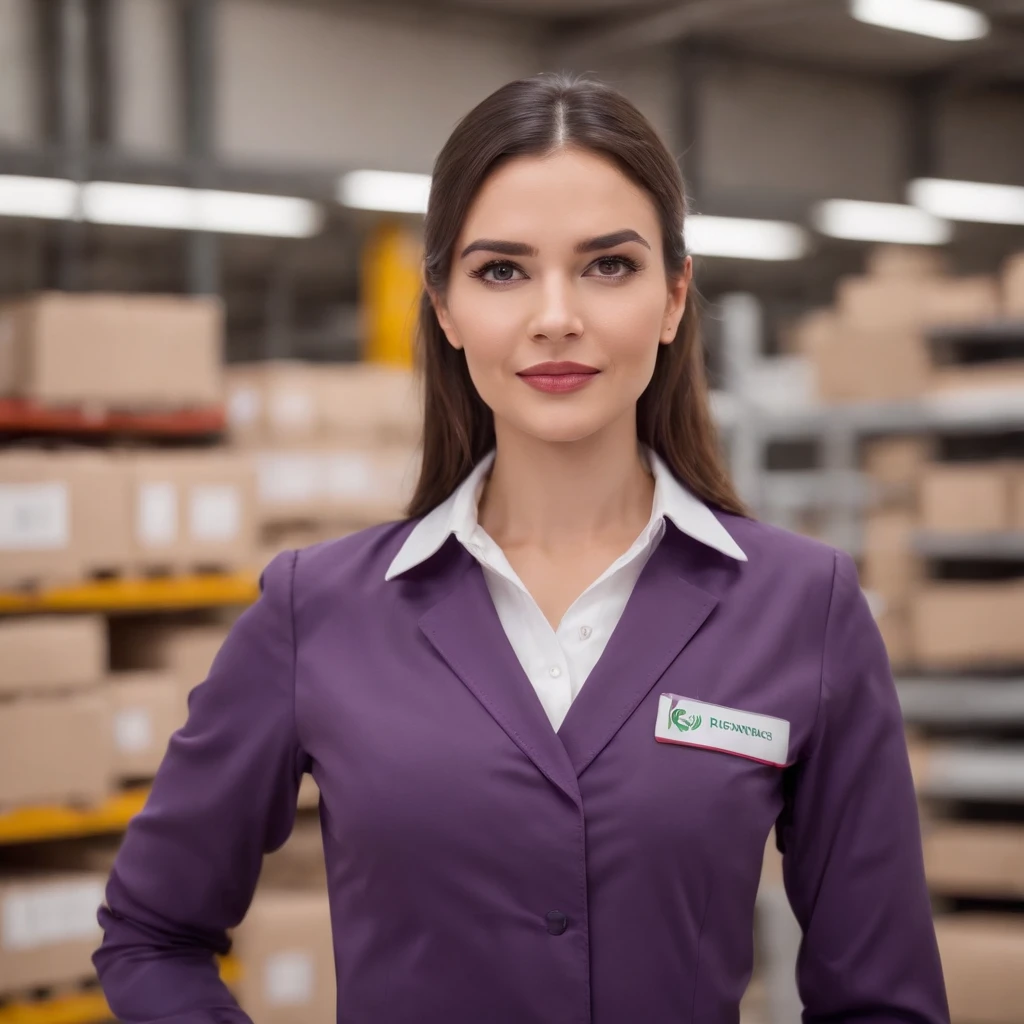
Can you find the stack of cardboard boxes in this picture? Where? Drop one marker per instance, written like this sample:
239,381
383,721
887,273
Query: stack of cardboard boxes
69,511
957,616
333,447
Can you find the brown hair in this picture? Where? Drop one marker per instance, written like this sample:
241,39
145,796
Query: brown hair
536,116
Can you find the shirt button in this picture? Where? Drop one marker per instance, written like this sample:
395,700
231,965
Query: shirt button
585,632
554,671
557,922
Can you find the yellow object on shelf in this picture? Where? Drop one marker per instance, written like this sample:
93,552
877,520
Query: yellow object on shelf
39,824
84,1007
391,286
126,595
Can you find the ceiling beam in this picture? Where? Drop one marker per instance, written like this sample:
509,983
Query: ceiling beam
677,23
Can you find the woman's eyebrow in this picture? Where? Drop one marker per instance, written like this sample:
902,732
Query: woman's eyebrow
505,248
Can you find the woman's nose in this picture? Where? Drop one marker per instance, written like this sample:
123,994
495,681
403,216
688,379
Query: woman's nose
557,315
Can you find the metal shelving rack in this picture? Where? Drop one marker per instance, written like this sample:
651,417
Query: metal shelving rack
957,769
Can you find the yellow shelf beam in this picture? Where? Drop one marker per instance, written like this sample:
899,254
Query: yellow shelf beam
39,824
84,1007
130,595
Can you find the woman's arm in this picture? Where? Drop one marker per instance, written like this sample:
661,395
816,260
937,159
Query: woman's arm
851,842
224,795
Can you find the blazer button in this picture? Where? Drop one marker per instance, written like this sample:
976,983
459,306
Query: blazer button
557,922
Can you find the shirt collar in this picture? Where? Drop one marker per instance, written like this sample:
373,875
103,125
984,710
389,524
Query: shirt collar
457,515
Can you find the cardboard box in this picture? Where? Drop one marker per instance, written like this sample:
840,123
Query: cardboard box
47,653
343,485
968,625
273,401
193,509
975,859
285,948
1013,286
895,463
890,568
903,261
62,515
48,929
55,749
981,960
146,710
961,300
363,403
966,497
184,650
872,365
119,351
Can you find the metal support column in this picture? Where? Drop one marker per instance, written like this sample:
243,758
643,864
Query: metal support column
202,254
73,129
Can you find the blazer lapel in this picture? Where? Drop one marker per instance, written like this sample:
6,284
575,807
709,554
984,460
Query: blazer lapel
663,614
464,628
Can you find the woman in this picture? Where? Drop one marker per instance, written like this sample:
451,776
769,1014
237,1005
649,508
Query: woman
555,714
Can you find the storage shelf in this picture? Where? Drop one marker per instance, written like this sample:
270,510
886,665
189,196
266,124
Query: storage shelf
84,1007
980,546
992,331
20,416
975,772
963,701
39,824
127,595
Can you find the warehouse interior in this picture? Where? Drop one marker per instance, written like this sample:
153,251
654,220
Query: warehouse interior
210,217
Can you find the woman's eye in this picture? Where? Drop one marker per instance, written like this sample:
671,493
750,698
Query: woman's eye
615,266
498,273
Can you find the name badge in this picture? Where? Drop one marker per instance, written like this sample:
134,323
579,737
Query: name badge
695,724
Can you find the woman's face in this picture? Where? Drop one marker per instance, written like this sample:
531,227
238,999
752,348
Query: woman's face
559,297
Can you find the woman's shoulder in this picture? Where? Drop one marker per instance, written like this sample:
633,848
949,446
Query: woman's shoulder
773,548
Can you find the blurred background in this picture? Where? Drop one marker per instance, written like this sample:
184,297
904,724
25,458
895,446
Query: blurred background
209,244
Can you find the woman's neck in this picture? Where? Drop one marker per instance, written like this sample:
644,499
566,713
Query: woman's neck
557,496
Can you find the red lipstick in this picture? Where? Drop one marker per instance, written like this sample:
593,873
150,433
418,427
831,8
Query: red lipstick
558,378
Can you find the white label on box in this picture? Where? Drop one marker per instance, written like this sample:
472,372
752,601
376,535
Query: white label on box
133,730
288,478
244,407
34,517
156,514
288,978
215,512
291,409
43,916
350,475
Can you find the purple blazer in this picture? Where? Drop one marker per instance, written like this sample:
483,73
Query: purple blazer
483,868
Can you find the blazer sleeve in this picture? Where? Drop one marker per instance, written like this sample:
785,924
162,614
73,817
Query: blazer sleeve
851,841
225,794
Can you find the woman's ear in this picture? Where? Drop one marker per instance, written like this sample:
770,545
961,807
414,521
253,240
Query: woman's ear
444,317
675,305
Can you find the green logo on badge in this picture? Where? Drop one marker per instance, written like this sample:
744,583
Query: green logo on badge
682,722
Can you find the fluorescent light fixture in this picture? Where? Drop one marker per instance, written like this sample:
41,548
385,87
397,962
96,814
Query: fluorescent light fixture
880,222
742,239
390,191
49,198
937,18
189,209
969,200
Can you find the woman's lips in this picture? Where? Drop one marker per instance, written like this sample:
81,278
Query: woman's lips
558,378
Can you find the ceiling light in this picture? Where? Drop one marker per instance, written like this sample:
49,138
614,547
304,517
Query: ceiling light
880,222
739,238
969,200
390,191
937,18
49,198
188,209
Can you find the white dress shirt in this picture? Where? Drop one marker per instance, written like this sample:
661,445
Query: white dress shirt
558,661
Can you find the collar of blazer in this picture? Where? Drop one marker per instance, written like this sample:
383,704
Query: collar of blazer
458,516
